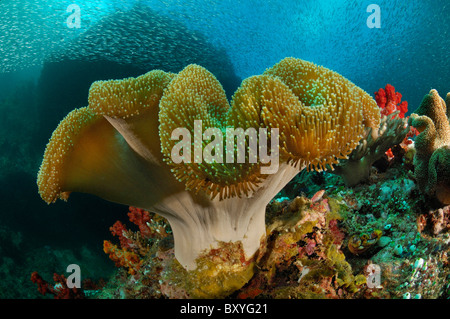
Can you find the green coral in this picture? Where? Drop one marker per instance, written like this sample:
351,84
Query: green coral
432,159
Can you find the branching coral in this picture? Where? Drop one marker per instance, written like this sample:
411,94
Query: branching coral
437,221
432,159
305,249
59,290
376,142
390,101
134,246
120,147
122,257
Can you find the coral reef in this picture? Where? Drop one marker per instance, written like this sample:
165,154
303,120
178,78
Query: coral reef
432,158
20,256
222,235
391,103
307,251
357,167
134,246
59,290
307,255
392,203
303,257
130,150
304,243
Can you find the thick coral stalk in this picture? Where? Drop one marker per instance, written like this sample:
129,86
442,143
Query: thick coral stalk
200,224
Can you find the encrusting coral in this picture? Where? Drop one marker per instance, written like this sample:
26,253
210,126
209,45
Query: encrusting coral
120,148
432,158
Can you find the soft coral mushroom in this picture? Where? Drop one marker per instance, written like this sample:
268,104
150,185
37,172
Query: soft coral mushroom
119,147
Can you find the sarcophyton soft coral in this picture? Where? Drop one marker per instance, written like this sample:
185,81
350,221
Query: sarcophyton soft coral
120,147
432,159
